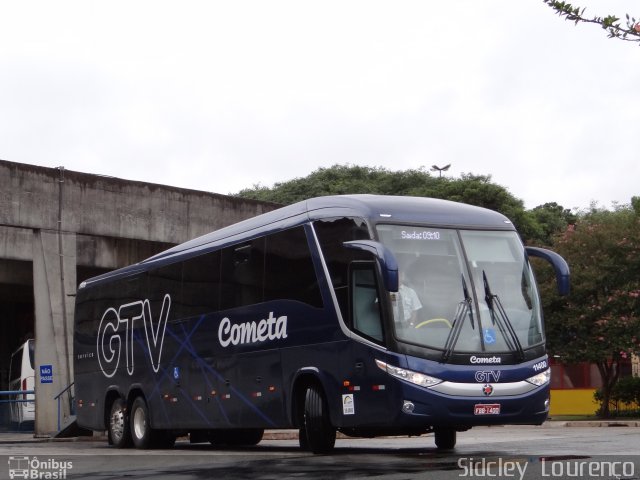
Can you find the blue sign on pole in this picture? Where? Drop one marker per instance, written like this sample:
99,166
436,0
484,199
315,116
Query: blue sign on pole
46,373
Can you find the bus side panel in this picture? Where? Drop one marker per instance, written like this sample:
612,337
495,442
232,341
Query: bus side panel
377,396
326,364
255,389
100,368
90,383
252,393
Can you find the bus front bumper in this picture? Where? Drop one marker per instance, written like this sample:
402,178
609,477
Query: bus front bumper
428,407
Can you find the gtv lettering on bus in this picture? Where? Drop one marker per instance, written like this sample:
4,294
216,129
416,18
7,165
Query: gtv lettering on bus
109,343
270,328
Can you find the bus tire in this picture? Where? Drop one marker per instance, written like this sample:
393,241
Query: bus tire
321,435
445,438
118,431
141,432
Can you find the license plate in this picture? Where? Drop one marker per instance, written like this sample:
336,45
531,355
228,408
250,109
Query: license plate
486,409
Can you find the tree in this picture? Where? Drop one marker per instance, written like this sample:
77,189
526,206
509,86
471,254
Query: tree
340,180
552,219
600,321
473,189
610,23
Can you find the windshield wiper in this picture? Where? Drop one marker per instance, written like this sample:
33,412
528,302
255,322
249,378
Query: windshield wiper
500,318
464,307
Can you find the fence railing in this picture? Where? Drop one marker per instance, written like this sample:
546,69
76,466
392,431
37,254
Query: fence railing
16,392
13,411
70,398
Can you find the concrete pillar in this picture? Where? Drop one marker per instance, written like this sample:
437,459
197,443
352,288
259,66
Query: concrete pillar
54,280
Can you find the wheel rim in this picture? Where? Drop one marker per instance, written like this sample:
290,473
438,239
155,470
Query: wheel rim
117,424
139,423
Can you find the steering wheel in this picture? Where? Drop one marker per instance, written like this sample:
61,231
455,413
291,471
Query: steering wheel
434,320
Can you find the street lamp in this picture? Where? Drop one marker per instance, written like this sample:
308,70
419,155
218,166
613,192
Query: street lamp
435,168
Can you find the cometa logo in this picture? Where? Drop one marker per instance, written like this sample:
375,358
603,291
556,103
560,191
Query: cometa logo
270,328
484,360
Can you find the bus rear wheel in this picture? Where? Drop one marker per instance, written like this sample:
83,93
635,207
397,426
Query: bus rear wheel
119,433
321,435
445,438
142,434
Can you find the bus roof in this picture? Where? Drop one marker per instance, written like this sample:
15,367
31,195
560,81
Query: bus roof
375,208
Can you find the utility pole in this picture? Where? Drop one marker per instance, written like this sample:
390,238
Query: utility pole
435,168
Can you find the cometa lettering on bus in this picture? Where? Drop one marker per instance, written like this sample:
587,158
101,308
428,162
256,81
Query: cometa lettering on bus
475,359
271,328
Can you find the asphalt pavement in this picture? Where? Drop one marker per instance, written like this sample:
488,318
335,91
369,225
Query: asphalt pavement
30,437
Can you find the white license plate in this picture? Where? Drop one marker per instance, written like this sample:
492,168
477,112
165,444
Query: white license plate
486,409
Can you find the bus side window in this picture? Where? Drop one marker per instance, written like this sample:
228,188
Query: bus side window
332,233
289,272
163,281
200,293
365,303
242,274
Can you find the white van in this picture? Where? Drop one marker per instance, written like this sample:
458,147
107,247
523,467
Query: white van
22,377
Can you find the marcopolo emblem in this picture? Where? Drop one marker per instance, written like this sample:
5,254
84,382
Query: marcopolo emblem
487,390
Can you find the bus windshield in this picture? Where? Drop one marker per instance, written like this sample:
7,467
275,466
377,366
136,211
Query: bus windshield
463,291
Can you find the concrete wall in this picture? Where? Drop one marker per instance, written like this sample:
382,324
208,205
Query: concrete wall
37,197
69,223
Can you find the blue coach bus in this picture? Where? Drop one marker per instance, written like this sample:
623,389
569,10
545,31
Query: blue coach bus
368,315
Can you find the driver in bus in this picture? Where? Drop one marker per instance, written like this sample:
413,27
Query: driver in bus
410,301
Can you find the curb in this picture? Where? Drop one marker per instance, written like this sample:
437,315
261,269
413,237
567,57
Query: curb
291,434
601,423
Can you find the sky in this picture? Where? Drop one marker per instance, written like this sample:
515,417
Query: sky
224,95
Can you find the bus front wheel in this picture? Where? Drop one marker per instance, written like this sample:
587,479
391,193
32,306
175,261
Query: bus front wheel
119,433
321,435
445,438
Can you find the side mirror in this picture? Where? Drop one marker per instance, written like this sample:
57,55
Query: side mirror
385,257
559,264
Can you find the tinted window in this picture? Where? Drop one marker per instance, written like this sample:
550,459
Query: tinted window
16,365
289,269
365,311
32,352
163,281
332,233
201,284
242,274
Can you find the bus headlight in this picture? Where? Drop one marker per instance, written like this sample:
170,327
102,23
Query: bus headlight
408,375
541,378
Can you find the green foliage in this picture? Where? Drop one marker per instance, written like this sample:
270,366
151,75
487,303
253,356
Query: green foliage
473,189
600,321
610,23
552,219
624,397
341,180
